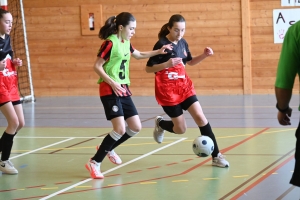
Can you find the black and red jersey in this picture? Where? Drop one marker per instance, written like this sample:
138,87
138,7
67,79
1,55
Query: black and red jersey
8,76
172,85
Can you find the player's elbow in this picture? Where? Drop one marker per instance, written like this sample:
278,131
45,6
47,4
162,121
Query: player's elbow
148,69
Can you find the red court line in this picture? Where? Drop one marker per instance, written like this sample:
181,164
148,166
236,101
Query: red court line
38,186
113,175
76,144
63,183
154,167
134,171
262,178
187,160
171,164
159,178
7,190
256,175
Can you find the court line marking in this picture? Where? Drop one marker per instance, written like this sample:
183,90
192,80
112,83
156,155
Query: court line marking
23,154
229,136
41,137
113,169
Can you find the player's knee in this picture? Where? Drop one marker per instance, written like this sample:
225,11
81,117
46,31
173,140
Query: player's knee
201,120
180,129
21,124
120,130
13,123
131,132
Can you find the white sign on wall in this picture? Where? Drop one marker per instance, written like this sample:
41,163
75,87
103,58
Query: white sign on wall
290,2
282,20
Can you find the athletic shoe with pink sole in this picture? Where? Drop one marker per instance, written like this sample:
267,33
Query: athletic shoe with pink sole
94,168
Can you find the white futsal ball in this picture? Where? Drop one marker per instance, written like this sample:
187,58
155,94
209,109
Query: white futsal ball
203,146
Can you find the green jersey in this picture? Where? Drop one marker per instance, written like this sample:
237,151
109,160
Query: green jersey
117,67
289,61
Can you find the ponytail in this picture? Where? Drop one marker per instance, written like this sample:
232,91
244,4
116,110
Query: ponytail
109,28
111,25
163,31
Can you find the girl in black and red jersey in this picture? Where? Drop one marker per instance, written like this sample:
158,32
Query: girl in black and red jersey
174,90
10,104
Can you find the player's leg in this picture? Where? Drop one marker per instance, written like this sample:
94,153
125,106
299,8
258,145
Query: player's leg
193,106
7,138
19,111
176,125
133,127
296,174
114,113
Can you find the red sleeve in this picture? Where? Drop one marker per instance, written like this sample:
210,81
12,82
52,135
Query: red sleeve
131,48
105,50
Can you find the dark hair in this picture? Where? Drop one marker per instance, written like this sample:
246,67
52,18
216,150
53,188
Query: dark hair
112,23
164,29
2,12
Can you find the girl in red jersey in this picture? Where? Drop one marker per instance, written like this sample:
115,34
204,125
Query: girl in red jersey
10,104
174,90
112,66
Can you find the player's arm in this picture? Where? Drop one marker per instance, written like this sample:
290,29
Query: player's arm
147,54
158,67
98,68
195,60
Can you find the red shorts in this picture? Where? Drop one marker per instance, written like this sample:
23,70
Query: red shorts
173,86
9,84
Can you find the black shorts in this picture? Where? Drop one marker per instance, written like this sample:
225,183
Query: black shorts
176,111
14,103
118,106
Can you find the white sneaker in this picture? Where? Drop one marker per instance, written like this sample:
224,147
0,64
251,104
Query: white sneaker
94,168
158,133
7,167
114,158
220,161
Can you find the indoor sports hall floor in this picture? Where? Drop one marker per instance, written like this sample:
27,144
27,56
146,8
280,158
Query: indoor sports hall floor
61,135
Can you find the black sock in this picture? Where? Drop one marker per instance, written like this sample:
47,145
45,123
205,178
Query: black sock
120,141
7,143
206,130
1,146
166,125
105,147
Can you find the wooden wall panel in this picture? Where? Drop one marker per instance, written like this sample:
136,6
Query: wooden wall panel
62,59
265,53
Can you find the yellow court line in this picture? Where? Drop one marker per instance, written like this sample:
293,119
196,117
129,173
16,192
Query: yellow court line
83,186
206,179
51,188
176,181
150,143
284,130
242,176
148,182
113,185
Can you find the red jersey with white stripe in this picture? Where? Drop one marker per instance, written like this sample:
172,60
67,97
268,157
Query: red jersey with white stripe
172,85
104,52
8,77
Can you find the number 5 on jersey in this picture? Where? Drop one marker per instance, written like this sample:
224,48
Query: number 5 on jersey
122,70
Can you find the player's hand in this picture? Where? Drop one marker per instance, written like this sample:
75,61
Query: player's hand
163,48
2,65
17,62
173,62
208,51
117,88
284,118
